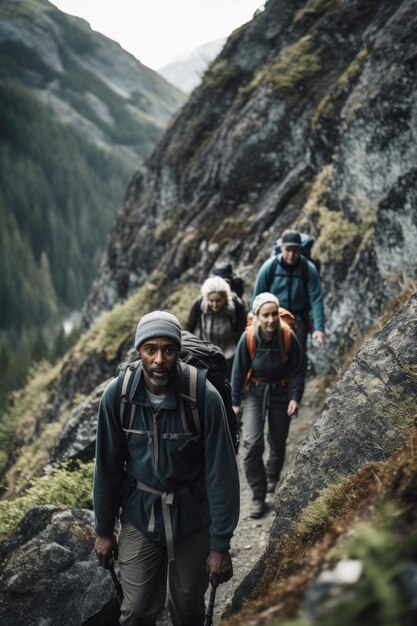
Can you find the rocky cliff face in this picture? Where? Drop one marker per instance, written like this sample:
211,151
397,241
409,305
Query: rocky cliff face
306,118
50,573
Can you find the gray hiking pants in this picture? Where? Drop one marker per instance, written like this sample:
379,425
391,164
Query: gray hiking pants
147,577
262,401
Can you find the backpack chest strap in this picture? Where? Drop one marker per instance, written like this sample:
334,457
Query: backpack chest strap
167,498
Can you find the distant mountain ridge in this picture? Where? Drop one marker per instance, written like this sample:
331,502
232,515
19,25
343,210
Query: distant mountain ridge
187,71
84,78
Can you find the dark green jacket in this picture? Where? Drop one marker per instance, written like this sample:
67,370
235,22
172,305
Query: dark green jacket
207,469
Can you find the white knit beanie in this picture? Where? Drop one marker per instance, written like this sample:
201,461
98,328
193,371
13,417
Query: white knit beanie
158,324
263,298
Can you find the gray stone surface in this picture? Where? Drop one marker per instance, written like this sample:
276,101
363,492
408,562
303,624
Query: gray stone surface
49,571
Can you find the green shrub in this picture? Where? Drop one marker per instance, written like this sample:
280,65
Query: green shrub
66,485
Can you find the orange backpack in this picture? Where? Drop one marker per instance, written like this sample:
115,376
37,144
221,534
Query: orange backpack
287,323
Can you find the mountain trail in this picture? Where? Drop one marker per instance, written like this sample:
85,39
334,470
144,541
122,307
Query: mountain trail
251,535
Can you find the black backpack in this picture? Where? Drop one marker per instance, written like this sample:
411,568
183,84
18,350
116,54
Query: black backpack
198,360
237,284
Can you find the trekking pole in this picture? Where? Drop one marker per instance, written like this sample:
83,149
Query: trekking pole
116,584
208,621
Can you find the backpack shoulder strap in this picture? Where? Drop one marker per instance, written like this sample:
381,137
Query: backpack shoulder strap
251,346
189,383
286,337
271,272
124,383
304,272
250,340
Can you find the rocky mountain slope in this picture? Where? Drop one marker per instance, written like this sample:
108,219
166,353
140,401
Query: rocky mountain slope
307,118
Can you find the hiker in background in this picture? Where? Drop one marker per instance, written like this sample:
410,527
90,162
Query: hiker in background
295,281
179,497
268,370
236,283
218,316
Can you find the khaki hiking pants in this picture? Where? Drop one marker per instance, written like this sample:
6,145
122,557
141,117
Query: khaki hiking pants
147,578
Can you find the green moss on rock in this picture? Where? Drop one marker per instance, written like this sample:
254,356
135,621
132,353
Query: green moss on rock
313,9
233,228
65,485
219,74
166,230
328,107
292,73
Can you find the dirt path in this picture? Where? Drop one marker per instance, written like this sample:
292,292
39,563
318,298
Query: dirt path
251,535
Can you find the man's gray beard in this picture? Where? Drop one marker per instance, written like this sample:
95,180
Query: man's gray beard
158,382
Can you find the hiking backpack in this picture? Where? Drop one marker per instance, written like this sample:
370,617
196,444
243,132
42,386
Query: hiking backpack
198,360
236,283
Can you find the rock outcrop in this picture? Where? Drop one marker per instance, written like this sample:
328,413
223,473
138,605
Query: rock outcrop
50,574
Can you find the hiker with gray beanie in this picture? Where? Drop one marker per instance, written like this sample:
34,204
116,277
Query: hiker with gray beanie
268,383
178,494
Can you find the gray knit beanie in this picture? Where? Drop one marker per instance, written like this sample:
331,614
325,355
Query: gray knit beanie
158,324
263,298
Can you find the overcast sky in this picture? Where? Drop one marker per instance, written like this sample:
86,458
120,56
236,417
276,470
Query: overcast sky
157,32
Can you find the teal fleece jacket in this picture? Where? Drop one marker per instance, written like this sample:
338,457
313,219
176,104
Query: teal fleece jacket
206,468
287,285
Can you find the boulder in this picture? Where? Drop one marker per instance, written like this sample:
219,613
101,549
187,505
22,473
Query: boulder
50,574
